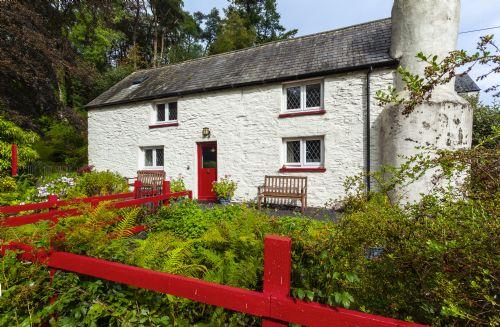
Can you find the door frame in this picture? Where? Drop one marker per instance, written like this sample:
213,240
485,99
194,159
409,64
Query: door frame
199,146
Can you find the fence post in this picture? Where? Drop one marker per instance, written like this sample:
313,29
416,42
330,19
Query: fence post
137,189
165,191
14,163
277,271
52,199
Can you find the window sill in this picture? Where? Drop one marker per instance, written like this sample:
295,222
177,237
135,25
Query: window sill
302,169
164,125
303,113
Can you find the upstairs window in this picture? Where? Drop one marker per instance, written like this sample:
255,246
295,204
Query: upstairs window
304,152
304,96
166,112
153,158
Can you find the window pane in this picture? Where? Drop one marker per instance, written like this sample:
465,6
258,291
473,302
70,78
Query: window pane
313,95
293,152
313,151
148,157
293,97
209,157
160,112
172,111
159,157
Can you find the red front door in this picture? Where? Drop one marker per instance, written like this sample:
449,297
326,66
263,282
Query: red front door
207,170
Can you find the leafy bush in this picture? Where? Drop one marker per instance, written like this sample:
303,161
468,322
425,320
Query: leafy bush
99,183
177,184
224,188
7,184
11,133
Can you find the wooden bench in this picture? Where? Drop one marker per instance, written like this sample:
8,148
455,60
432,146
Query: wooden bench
283,187
151,181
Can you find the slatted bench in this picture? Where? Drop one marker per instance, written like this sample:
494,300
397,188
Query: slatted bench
283,187
151,182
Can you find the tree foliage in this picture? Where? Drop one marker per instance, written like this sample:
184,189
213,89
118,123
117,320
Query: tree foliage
57,55
11,133
441,71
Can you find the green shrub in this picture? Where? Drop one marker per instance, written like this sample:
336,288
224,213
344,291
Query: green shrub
177,184
7,184
99,183
11,133
224,188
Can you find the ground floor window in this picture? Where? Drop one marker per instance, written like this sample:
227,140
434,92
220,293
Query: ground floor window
153,157
303,152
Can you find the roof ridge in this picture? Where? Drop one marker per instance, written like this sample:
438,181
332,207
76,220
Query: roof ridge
260,45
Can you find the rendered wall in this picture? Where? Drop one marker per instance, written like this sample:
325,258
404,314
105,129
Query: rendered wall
245,124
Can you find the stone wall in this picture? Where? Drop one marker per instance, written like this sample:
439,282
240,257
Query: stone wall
249,134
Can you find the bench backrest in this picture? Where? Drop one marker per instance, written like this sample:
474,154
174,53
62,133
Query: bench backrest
285,184
150,178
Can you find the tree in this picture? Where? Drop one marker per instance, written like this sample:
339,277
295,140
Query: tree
264,17
248,23
35,61
486,122
234,35
441,71
212,25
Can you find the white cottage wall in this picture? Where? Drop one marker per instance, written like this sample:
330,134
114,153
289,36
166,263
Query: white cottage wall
249,134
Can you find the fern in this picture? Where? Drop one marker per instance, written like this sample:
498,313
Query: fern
127,222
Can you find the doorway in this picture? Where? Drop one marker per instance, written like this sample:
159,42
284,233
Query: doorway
207,170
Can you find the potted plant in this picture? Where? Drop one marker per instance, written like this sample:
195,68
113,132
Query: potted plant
224,188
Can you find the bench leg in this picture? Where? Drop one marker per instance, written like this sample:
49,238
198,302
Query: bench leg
303,205
259,199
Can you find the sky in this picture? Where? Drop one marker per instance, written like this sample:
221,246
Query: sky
311,16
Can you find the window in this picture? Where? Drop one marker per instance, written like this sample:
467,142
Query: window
306,96
166,112
153,157
304,152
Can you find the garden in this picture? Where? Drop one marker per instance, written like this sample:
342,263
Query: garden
433,262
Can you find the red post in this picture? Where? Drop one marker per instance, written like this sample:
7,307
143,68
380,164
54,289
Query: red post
137,189
14,164
277,271
165,190
52,200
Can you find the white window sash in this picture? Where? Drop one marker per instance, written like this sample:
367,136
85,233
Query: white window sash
154,166
303,95
303,162
167,113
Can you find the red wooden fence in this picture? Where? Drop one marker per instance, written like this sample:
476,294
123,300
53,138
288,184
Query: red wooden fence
273,304
56,212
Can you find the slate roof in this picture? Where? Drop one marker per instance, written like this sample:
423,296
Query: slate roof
333,51
345,49
465,84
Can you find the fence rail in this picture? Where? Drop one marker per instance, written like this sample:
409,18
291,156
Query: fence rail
273,304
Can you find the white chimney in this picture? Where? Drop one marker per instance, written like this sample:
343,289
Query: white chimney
445,121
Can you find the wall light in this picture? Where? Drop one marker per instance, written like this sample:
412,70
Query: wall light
205,132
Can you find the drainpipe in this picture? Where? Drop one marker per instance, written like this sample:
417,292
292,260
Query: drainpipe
368,134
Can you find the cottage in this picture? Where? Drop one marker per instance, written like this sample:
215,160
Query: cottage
303,106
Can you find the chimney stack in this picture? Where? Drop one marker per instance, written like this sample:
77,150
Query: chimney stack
445,121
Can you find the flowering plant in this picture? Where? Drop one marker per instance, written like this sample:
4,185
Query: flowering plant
224,188
59,186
